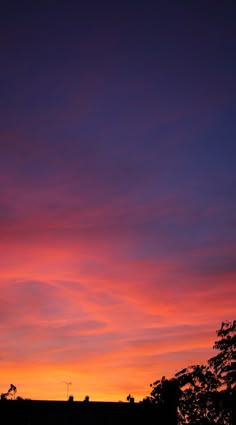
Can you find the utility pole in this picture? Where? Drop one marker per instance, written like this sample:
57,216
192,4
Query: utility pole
67,386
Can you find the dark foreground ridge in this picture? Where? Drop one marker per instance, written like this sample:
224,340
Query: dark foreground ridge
37,412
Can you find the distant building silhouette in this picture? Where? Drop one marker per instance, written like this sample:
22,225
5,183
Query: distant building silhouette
84,412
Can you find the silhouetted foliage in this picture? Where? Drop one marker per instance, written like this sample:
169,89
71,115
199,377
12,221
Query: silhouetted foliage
204,394
166,391
200,402
224,363
10,393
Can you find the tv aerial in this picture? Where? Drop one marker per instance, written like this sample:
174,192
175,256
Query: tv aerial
67,388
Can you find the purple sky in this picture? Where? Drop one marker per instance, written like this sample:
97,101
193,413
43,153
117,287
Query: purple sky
117,191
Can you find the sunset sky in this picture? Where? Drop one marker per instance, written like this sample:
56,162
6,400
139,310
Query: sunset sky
117,192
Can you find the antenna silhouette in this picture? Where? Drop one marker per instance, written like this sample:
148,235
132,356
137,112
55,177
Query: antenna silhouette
67,387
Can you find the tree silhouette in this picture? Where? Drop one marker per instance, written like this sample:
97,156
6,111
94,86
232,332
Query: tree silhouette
224,363
199,402
11,392
166,393
204,394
